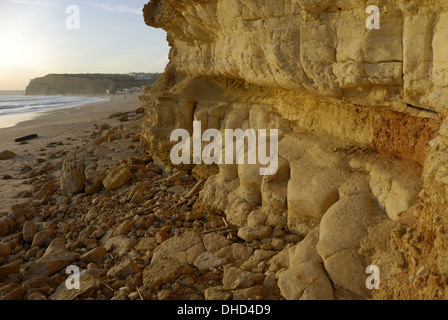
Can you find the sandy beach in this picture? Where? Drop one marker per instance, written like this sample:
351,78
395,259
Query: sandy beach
58,131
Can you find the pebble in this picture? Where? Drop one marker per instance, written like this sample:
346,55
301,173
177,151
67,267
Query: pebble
12,268
421,271
95,255
293,238
123,269
6,155
252,233
92,266
174,177
116,239
162,236
193,216
163,294
123,228
133,295
5,249
41,237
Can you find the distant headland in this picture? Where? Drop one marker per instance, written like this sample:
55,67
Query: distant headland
89,84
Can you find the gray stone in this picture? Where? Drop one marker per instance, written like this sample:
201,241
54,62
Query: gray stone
345,224
51,262
123,228
313,188
347,269
249,234
87,282
163,270
214,242
231,273
247,279
146,244
216,293
305,281
95,255
256,258
72,179
119,245
305,251
117,177
176,189
208,260
123,269
29,230
185,248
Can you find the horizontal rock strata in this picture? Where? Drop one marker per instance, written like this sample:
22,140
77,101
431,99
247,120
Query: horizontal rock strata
356,111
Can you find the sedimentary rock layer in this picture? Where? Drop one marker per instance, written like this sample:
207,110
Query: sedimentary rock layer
318,47
54,84
355,109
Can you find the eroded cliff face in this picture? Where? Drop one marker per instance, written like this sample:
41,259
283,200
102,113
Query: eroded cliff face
318,47
362,142
54,84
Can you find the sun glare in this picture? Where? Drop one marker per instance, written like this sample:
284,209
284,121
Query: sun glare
19,50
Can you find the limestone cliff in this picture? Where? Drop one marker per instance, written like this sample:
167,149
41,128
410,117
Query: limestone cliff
55,84
362,131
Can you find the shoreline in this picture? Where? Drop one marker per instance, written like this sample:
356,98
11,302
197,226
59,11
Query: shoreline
95,111
28,116
58,132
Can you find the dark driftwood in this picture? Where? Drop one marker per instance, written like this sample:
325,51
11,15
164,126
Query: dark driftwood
29,137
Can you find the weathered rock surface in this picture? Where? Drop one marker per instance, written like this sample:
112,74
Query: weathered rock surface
164,270
117,177
55,84
208,260
185,248
322,49
72,180
306,281
95,255
7,225
361,177
88,283
11,268
6,155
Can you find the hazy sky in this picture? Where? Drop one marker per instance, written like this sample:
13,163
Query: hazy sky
112,38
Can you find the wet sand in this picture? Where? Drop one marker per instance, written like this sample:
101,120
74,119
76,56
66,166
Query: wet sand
58,131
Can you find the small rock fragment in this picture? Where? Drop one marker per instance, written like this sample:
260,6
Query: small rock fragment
95,255
6,155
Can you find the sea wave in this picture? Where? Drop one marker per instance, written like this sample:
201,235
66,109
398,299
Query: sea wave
13,105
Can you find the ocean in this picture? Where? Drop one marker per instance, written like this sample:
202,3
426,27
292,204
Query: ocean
15,107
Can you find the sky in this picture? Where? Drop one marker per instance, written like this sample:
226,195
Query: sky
38,37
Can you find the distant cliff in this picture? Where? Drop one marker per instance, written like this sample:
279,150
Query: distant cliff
55,84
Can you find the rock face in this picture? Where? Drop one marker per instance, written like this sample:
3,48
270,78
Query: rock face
322,48
72,180
117,177
360,115
54,84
